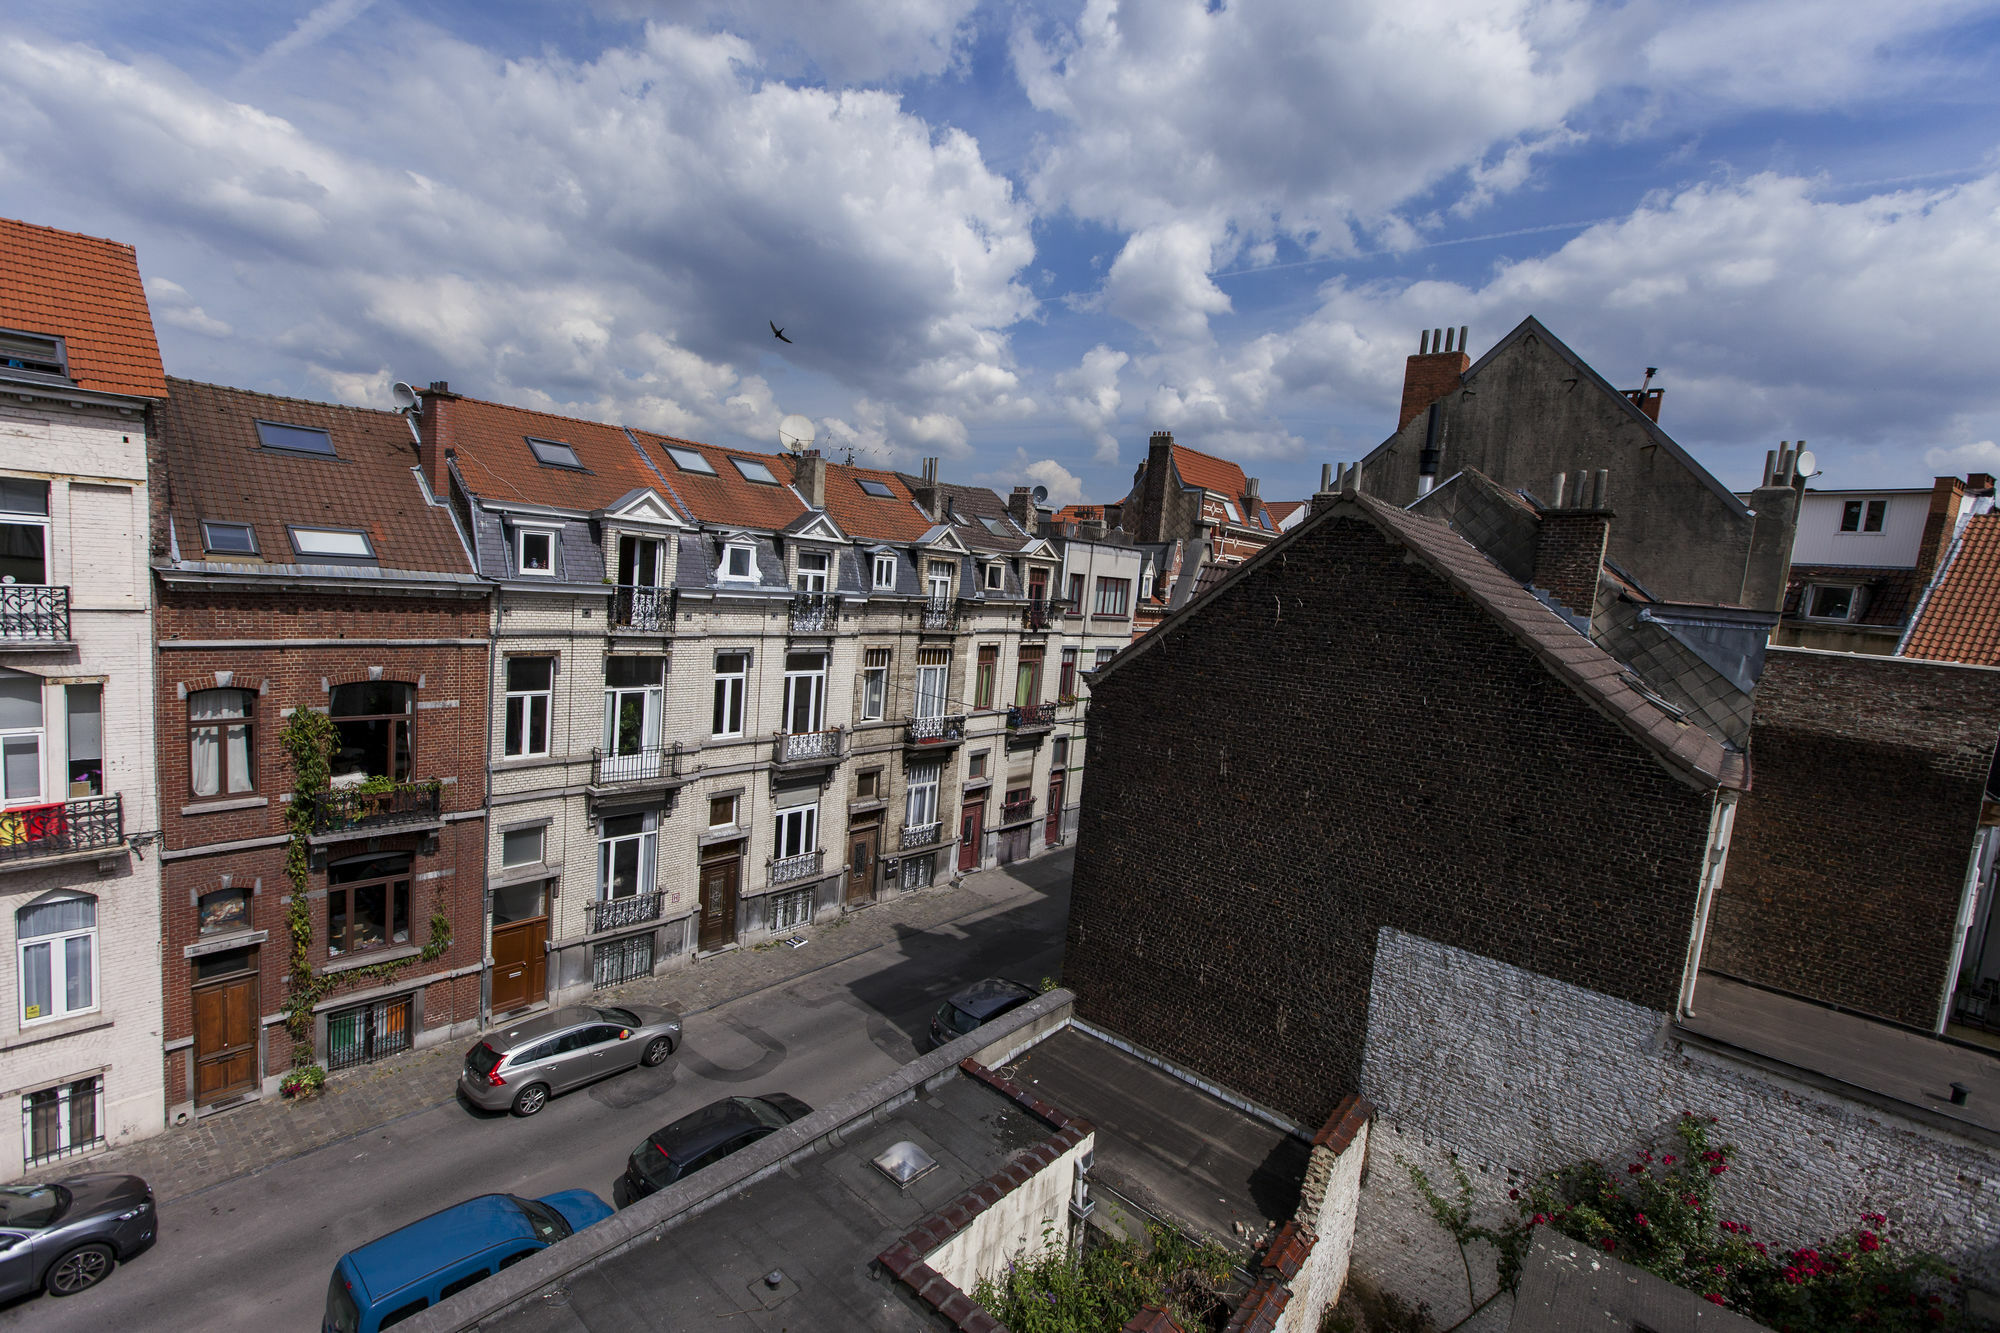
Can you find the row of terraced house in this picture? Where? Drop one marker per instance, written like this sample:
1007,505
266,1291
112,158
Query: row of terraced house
490,708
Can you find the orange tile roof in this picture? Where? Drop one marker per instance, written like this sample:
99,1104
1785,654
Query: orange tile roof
1209,472
1280,510
494,459
870,517
1080,514
726,499
1961,620
87,292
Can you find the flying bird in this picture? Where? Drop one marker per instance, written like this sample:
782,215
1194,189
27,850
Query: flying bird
778,332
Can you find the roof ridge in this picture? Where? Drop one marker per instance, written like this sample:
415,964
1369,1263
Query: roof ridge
72,235
537,412
172,380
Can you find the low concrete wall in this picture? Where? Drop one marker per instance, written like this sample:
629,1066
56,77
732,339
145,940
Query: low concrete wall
1304,1269
1028,1219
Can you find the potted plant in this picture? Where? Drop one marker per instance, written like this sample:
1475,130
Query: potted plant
302,1082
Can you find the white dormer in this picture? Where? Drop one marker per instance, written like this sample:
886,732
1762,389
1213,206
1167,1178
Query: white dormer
736,561
534,546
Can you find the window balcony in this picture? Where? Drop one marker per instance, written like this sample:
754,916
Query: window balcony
789,869
617,913
806,748
345,811
647,610
62,828
1017,812
1031,717
657,765
938,615
938,732
33,615
1041,612
814,613
921,835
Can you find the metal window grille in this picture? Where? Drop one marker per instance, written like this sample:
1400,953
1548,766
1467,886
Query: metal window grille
789,911
367,1032
63,1121
917,870
620,961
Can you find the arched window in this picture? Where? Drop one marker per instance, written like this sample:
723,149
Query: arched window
219,750
57,941
374,719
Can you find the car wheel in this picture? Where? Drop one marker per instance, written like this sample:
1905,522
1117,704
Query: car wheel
79,1270
657,1051
531,1099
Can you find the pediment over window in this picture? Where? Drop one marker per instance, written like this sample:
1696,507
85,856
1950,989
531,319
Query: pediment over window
642,507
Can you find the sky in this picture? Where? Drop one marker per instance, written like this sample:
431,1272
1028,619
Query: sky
1022,237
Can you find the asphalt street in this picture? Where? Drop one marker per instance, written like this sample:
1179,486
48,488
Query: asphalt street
256,1252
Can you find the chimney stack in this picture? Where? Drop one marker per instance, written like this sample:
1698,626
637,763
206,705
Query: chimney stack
1434,371
1941,524
1776,503
809,472
1021,508
434,435
1570,539
926,493
1252,501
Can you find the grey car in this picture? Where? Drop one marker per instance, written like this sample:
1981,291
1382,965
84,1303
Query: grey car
520,1068
66,1237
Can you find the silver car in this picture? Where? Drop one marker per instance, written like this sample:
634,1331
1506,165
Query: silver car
520,1068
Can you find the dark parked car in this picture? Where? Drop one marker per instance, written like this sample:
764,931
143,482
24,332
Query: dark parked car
981,1002
68,1236
703,1138
520,1068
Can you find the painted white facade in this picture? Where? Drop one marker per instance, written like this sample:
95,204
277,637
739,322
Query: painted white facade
1821,540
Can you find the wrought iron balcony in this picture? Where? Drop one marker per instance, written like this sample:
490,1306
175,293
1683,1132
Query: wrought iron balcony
814,612
655,763
33,613
808,747
65,826
1029,717
934,730
921,835
344,808
1015,812
614,913
786,869
648,609
938,613
1041,612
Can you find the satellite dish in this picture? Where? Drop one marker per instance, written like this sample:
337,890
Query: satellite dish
795,432
1041,495
1804,466
405,396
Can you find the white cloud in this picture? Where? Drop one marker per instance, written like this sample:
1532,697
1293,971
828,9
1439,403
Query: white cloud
847,41
1091,397
1064,487
1979,456
172,305
321,23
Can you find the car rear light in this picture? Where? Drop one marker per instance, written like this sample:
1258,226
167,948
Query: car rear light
494,1079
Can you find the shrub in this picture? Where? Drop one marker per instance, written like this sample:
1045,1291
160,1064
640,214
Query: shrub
1098,1291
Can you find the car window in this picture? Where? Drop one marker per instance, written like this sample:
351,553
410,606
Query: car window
402,1312
342,1316
515,1258
575,1041
549,1225
597,1036
541,1052
481,1059
624,1018
767,1115
453,1288
31,1205
958,1020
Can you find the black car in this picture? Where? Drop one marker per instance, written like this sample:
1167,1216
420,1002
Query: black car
66,1237
981,1002
703,1138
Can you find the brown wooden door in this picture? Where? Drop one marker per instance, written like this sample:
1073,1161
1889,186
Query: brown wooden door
520,964
719,883
225,1039
1052,826
971,830
862,846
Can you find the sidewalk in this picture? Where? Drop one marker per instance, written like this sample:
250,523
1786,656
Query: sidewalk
263,1134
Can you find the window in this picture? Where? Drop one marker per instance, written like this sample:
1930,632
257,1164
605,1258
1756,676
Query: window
885,571
732,671
211,966
345,546
1105,655
639,562
868,786
523,846
20,738
933,670
223,911
37,352
618,961
1028,677
1830,603
879,489
24,530
1863,515
805,693
529,684
86,739
1059,757
989,668
688,460
634,692
789,911
219,742
996,577
553,453
374,719
63,1120
367,903
918,871
922,793
1075,598
365,1033
1872,522
722,811
939,579
738,561
978,766
754,471
1112,595
874,684
228,538
626,848
1229,508
812,571
1066,685
1146,584
294,439
798,831
58,957
535,552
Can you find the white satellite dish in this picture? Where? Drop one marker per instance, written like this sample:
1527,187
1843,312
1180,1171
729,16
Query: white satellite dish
1805,465
405,396
1041,494
795,432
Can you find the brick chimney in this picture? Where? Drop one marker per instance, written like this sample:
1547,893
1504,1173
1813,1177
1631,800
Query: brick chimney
1570,540
1433,372
1021,507
1776,504
926,492
434,436
1149,496
1947,497
809,475
1646,398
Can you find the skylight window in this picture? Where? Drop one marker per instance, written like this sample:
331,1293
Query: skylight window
999,527
554,453
228,538
687,460
34,352
1229,508
754,471
295,439
341,545
879,489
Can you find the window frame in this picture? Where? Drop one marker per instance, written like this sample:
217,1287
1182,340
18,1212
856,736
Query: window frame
743,466
996,577
39,734
922,786
208,546
39,520
1066,684
524,700
225,923
732,686
1810,610
884,561
1028,663
57,344
874,684
812,682
264,441
933,684
986,675
407,719
222,724
886,492
937,580
647,836
541,857
729,551
795,827
518,547
575,463
367,557
1114,597
59,977
348,891
1104,655
735,803
695,463
1075,597
815,580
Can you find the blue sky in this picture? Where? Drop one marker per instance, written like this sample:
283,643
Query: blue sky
1022,237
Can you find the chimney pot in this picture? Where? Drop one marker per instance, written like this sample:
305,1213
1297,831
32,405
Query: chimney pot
1433,372
1326,476
1424,343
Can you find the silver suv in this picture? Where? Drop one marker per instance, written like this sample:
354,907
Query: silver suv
519,1069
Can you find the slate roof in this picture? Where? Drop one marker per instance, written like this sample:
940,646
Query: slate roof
495,462
978,504
86,291
218,469
1959,620
727,499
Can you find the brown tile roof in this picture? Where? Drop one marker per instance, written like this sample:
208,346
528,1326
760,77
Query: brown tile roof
1960,622
894,518
494,459
86,291
217,469
726,499
1209,472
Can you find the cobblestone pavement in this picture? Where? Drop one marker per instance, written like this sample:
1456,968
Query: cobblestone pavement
256,1137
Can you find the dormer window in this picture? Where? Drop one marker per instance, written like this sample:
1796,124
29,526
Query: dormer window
535,552
1832,602
37,353
554,453
294,439
885,571
1863,515
739,561
996,577
752,470
1146,585
689,460
812,571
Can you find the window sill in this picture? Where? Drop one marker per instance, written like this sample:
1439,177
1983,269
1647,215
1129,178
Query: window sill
217,807
55,1029
1110,615
517,762
370,958
717,836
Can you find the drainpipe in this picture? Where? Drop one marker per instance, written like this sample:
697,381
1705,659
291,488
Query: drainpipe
486,847
1719,826
1968,901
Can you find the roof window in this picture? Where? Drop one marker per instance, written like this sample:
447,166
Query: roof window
879,489
33,352
228,538
999,527
339,545
688,460
1229,508
295,439
752,470
554,453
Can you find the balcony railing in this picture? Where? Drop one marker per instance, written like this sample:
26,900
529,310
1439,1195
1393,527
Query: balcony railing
1028,716
814,612
1041,612
353,807
67,826
808,747
614,913
935,730
33,613
649,609
939,613
655,763
921,835
1014,812
804,866
1977,1005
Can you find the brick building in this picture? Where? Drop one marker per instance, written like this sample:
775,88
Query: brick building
79,861
302,564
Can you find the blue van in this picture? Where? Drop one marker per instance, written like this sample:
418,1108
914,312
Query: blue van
387,1281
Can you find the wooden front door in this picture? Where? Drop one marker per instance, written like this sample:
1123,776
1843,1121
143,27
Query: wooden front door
225,1039
520,964
971,831
720,881
863,844
1052,826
